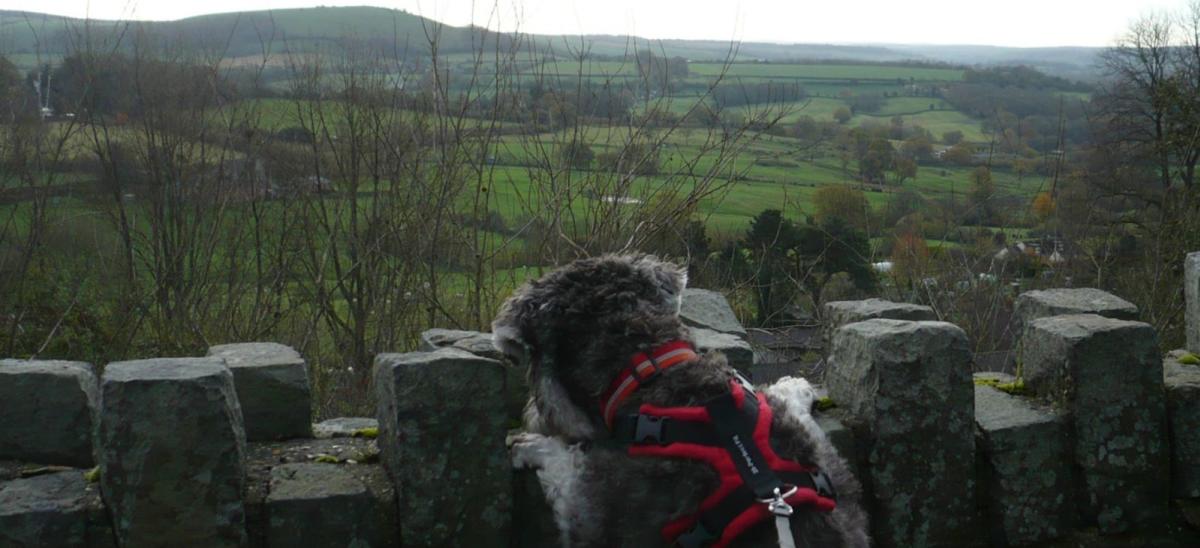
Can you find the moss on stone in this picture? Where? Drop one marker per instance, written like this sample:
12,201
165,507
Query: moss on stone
1016,387
93,475
1189,359
369,432
328,459
824,404
368,456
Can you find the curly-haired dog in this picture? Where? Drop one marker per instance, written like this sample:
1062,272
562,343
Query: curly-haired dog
638,441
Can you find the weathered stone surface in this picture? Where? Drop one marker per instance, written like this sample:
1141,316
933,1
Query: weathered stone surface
516,386
358,457
272,387
906,388
314,504
709,310
1032,305
1025,451
474,342
171,449
1183,415
1107,374
342,427
736,349
839,313
442,425
47,411
38,501
47,510
839,434
1191,290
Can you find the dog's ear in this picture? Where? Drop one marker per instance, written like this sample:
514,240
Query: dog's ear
669,278
513,328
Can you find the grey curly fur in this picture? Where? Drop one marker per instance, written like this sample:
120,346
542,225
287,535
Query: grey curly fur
576,329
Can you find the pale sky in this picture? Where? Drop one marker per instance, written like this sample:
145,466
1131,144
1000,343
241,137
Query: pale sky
1021,23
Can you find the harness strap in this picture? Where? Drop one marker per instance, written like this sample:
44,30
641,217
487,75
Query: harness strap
730,433
735,428
709,525
644,366
653,429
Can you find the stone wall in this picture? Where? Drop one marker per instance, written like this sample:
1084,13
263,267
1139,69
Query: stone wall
1097,442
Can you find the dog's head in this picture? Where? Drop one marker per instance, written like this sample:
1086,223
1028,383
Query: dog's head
577,327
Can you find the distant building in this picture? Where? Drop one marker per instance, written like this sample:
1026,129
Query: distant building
1051,252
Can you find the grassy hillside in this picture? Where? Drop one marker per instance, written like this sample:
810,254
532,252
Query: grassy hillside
23,32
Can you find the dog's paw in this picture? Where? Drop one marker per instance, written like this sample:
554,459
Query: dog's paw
797,393
530,450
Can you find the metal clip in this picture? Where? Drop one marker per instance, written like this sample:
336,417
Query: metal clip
783,512
777,505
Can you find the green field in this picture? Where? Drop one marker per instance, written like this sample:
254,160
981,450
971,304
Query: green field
773,171
936,121
781,71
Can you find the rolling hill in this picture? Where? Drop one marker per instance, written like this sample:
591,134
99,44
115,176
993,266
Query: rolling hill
24,35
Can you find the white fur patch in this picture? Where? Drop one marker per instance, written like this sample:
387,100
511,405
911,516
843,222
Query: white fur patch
798,395
558,468
683,280
507,340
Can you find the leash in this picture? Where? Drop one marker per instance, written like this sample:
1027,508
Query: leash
782,512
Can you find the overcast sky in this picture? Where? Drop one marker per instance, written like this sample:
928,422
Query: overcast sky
992,22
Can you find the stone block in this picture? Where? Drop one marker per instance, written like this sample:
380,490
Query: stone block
1107,374
1183,415
342,427
315,504
516,385
908,397
474,342
839,313
357,457
272,388
46,510
171,449
736,350
442,425
1026,471
709,310
48,410
1191,293
1032,305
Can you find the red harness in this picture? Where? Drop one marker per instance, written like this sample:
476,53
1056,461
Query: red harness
732,434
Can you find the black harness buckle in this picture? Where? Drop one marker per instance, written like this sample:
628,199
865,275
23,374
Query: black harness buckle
649,429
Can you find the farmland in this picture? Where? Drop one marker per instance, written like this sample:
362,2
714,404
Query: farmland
344,199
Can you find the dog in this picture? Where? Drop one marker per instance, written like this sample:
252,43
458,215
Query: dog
576,328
